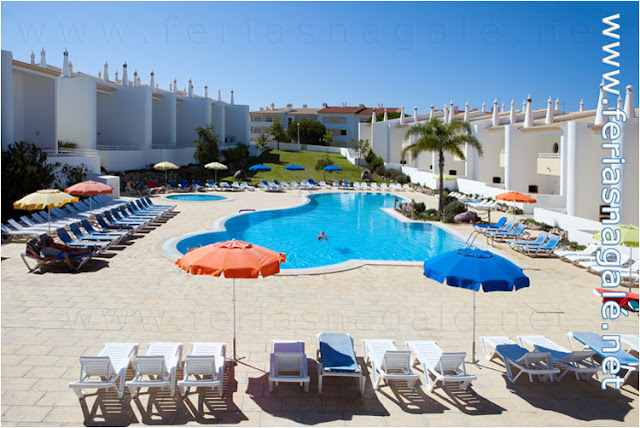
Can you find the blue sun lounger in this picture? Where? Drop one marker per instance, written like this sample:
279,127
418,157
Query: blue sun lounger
496,225
536,250
595,342
337,357
515,233
535,243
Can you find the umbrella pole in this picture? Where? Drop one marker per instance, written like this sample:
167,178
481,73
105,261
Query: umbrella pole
235,358
473,346
49,212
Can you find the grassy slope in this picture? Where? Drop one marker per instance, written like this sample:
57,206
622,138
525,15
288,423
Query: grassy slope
278,159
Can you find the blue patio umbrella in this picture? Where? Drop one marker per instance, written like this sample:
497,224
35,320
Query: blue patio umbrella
259,167
472,268
332,168
294,168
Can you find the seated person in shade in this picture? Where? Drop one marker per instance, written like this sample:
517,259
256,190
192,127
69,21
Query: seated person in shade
322,236
49,248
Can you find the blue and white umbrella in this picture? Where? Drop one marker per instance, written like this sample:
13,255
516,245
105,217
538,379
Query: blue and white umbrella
472,268
294,168
259,167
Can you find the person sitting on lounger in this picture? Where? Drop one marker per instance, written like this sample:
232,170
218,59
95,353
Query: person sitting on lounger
49,248
322,236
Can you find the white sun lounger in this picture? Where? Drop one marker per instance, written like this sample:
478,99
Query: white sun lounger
159,365
631,340
388,363
445,367
204,367
288,363
574,256
109,369
578,362
531,363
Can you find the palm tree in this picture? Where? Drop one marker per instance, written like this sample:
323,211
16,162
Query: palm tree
435,136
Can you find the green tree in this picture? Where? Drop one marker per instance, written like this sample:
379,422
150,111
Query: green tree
206,145
434,136
71,174
237,158
24,170
278,132
327,137
311,132
361,147
262,142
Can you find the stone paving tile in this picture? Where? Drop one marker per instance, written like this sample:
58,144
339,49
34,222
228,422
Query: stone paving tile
49,320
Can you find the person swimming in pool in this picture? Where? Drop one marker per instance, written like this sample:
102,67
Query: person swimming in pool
322,236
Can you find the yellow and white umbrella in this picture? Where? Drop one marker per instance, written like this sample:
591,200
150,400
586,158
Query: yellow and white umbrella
166,165
41,199
216,166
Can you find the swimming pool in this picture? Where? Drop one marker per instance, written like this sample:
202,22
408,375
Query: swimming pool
196,198
356,226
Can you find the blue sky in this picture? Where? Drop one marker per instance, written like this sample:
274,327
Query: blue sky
397,53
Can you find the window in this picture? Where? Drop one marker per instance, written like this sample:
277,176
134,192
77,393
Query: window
533,188
334,119
343,132
496,180
453,172
268,119
289,121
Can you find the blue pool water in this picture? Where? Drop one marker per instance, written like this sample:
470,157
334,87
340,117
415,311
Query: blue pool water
196,198
354,222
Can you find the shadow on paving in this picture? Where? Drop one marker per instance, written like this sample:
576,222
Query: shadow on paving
582,400
340,398
467,401
157,407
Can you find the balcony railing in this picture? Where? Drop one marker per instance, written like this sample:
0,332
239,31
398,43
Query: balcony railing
548,155
71,152
549,164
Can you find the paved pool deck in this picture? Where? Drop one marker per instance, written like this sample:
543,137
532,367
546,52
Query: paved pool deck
134,293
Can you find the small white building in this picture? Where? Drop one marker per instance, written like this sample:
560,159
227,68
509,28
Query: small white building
117,124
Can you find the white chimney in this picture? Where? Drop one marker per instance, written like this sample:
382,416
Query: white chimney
581,105
43,58
524,106
135,77
231,100
175,85
445,115
415,115
503,108
125,77
628,103
558,104
170,87
466,111
33,58
450,111
548,120
431,112
495,119
65,65
99,74
528,115
206,91
602,100
619,106
484,110
219,95
512,113
402,115
384,119
373,116
152,82
106,71
190,88
116,77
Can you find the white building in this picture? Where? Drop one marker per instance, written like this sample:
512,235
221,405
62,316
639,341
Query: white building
552,155
261,120
117,124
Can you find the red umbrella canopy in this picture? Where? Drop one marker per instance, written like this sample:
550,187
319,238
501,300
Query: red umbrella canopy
89,188
236,259
515,197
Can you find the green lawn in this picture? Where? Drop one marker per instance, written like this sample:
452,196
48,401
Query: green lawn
278,159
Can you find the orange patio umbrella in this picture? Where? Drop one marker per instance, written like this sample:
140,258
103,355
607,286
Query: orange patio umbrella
515,197
89,188
234,259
